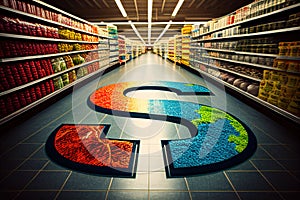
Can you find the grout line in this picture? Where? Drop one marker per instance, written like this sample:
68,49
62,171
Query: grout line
12,171
286,170
235,191
125,124
102,119
62,186
29,182
267,180
108,189
188,188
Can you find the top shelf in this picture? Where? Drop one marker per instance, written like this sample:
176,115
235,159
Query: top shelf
264,33
62,12
46,20
251,19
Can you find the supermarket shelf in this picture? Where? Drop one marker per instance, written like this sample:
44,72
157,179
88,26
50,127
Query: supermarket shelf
4,60
45,20
240,52
36,103
288,58
63,12
229,71
252,97
252,19
8,35
284,30
103,49
243,63
46,78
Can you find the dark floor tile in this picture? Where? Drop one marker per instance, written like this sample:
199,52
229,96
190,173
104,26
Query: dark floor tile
17,180
8,195
53,166
296,174
248,181
259,195
158,181
267,165
32,195
40,154
292,165
169,195
138,183
33,165
283,181
215,195
80,195
127,195
80,181
290,195
22,151
215,181
263,138
9,165
280,152
48,181
246,165
260,154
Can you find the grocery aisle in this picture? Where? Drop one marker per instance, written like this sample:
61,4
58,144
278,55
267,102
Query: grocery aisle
26,171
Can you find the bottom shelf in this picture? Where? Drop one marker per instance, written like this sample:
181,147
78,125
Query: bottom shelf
49,96
278,110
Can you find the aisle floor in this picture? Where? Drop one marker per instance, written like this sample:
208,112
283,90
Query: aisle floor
26,172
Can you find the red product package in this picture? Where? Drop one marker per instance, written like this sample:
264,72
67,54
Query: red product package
48,87
20,5
13,4
16,102
28,96
5,3
22,99
38,11
9,104
24,7
3,112
52,86
38,92
43,13
33,95
43,89
33,10
22,74
28,7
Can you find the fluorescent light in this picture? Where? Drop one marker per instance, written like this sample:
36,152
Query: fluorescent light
179,4
150,4
153,23
164,31
121,8
136,31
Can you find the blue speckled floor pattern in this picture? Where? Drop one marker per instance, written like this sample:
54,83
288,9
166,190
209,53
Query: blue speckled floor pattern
273,172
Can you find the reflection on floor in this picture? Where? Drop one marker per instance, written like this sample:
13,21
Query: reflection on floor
273,172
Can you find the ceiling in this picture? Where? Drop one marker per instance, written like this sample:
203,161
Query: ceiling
137,12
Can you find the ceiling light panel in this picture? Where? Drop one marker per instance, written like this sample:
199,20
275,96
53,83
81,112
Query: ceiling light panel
121,8
179,4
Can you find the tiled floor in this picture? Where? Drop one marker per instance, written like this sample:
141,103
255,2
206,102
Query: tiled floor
273,172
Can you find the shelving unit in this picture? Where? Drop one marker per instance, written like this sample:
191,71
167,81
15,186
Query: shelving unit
178,48
252,97
219,62
28,90
122,49
171,49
